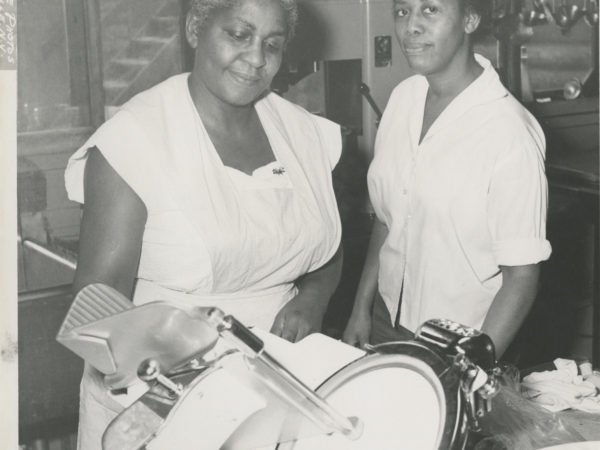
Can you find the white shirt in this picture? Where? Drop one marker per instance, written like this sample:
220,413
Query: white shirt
470,197
214,235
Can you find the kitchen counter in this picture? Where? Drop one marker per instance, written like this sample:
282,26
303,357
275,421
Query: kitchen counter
586,424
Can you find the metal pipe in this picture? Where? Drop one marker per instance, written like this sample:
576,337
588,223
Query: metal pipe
45,293
366,92
42,249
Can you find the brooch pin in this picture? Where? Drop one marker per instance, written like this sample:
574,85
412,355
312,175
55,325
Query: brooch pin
279,170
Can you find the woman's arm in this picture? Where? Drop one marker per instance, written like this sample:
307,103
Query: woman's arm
358,329
511,304
304,313
113,222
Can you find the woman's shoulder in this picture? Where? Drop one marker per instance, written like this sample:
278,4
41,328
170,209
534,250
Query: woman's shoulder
507,128
294,115
511,118
139,122
151,102
303,126
282,105
149,113
159,90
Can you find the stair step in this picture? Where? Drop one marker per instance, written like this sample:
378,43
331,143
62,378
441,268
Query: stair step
152,39
166,18
136,62
163,26
113,90
126,19
138,38
125,69
146,47
113,85
171,8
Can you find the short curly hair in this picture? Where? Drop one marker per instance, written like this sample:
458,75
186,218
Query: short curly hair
483,8
202,9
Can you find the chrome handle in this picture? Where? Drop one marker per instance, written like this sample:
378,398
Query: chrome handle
149,370
48,252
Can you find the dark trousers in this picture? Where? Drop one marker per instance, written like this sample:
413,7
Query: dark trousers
382,329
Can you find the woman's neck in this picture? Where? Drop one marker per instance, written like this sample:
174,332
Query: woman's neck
214,112
445,86
463,70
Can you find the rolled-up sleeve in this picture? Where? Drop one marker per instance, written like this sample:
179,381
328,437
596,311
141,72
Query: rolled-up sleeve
518,202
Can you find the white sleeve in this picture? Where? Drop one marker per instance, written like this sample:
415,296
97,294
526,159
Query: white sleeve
517,204
121,142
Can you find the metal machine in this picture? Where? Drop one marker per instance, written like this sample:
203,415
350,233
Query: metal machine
212,383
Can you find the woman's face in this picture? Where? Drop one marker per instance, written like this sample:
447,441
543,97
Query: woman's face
431,33
239,50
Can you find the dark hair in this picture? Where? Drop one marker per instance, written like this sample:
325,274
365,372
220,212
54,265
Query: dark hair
202,9
483,8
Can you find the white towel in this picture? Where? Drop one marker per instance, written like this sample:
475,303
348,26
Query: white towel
561,389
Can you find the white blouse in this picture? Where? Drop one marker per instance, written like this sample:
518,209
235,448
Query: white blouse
471,196
215,235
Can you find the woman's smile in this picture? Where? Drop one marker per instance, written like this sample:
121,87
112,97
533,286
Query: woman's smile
415,48
245,78
239,52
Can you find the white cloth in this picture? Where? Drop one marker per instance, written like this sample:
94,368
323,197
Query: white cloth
470,197
560,389
214,235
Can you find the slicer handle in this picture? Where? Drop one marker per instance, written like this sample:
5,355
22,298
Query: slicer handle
149,370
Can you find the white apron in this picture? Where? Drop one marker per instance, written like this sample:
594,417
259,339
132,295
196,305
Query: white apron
215,236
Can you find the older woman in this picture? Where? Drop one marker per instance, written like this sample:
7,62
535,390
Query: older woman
458,186
209,190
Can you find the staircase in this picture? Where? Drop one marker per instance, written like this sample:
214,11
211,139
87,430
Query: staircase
141,43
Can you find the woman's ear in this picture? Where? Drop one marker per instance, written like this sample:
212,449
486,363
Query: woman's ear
191,29
472,20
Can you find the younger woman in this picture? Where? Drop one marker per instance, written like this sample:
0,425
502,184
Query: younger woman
458,186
